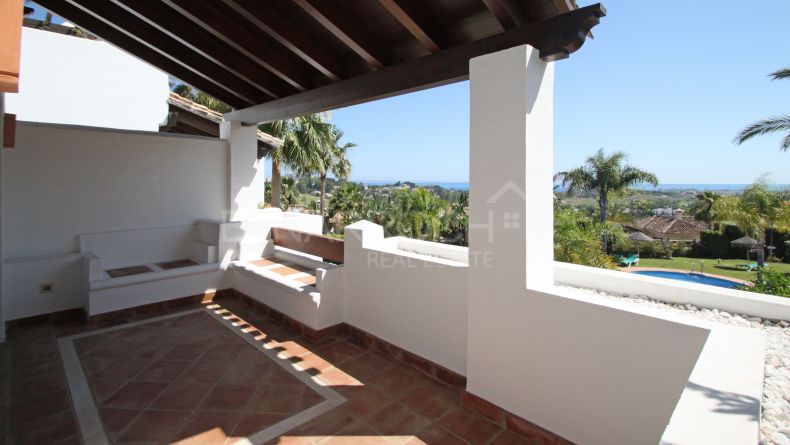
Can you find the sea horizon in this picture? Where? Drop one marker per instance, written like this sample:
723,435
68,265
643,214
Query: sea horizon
460,185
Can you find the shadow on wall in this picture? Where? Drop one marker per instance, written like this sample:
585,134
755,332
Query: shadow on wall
730,402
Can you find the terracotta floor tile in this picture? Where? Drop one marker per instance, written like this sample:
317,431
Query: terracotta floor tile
364,400
254,422
119,369
208,428
367,365
229,397
154,426
263,262
221,353
337,377
277,400
395,381
126,271
182,396
36,407
116,420
44,429
103,388
16,373
338,352
177,264
432,401
135,395
308,280
326,424
436,435
508,438
280,377
397,419
37,386
185,351
290,270
470,427
242,373
310,363
163,371
204,372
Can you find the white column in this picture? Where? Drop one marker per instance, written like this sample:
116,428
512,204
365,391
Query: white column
510,193
246,171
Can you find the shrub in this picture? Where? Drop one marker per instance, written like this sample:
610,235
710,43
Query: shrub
770,282
714,244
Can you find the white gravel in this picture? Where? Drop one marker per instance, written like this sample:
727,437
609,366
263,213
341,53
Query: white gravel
775,420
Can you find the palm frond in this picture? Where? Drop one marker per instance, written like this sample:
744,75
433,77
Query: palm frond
767,126
781,74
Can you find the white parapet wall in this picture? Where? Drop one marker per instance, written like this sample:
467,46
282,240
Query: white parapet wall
416,301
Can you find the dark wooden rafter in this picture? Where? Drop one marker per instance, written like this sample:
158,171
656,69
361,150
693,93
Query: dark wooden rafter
144,51
289,34
337,19
556,38
143,32
415,16
181,29
234,30
509,13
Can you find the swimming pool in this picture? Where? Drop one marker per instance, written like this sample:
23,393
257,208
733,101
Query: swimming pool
691,278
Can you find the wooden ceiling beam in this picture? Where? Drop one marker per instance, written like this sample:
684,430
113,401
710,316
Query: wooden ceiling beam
337,19
501,13
143,51
234,30
556,38
289,34
420,22
188,34
143,32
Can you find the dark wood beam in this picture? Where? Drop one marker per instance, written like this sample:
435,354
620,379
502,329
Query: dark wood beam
234,30
337,19
133,46
501,13
556,38
289,34
181,29
420,22
140,30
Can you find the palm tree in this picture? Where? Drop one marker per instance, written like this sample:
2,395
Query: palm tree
347,202
333,160
415,214
603,175
304,138
758,212
704,205
778,124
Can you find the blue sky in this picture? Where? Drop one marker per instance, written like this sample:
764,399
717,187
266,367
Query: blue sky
670,83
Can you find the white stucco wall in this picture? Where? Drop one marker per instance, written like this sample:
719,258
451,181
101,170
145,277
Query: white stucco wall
71,80
61,181
413,301
592,373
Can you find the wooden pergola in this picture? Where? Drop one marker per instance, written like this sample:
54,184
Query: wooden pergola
282,58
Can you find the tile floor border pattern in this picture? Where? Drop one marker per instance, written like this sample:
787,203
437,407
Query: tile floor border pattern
89,421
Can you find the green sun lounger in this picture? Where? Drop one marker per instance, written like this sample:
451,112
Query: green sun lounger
630,260
750,266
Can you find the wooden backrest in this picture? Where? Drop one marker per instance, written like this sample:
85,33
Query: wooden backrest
330,249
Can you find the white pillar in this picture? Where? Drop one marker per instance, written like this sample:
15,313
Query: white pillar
510,178
246,171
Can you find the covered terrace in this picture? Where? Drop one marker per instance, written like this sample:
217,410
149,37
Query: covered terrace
263,331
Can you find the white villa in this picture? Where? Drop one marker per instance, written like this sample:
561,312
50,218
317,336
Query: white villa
147,299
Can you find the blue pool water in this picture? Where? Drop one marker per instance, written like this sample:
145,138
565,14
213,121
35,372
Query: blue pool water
691,278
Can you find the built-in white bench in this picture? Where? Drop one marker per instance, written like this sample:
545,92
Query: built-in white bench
131,268
297,283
